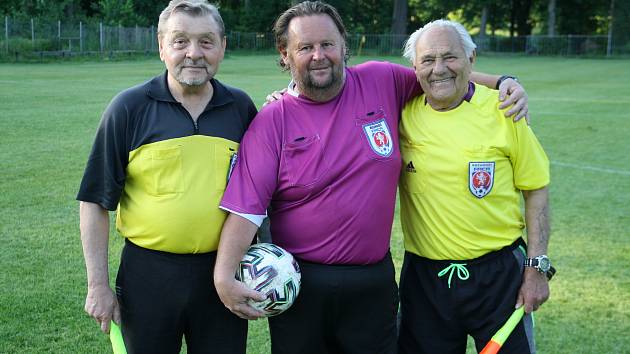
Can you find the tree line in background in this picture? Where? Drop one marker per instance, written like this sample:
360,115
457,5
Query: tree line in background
488,17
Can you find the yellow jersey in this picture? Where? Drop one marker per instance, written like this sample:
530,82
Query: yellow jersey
462,174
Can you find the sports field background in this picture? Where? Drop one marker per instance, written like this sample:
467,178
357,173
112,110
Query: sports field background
49,113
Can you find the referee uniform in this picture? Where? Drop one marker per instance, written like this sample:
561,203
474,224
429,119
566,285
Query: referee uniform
460,185
165,174
329,172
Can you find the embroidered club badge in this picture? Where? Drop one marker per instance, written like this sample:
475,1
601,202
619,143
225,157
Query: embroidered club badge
379,137
480,178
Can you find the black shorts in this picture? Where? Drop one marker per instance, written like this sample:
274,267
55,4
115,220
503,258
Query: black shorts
340,309
165,296
438,319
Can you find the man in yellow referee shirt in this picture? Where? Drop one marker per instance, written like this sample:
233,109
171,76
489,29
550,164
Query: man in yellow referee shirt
465,168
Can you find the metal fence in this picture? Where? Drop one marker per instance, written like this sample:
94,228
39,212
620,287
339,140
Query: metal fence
569,45
566,45
34,37
26,37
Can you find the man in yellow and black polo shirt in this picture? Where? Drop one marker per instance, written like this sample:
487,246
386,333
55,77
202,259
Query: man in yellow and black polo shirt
465,168
161,159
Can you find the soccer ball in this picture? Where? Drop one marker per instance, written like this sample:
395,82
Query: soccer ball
272,271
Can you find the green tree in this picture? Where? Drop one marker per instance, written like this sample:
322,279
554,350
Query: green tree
619,30
260,17
118,12
400,17
148,11
365,16
71,10
8,7
520,20
582,16
551,18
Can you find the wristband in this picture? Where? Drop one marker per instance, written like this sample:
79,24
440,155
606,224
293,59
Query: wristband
503,78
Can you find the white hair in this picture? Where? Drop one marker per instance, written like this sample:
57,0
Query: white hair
409,51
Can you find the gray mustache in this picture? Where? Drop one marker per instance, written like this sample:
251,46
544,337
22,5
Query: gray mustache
198,63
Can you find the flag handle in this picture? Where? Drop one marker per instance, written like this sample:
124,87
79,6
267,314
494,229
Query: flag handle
115,336
504,332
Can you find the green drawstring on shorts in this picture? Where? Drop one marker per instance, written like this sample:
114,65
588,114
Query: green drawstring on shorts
462,272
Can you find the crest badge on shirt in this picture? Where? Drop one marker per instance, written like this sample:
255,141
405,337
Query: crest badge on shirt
480,178
379,137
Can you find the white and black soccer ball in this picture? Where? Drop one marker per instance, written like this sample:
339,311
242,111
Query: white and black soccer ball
275,273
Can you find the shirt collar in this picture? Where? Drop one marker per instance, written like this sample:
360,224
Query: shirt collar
292,89
471,91
467,97
158,90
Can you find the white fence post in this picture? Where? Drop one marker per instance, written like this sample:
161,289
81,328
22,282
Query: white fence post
32,33
80,36
611,22
59,34
100,26
6,33
609,40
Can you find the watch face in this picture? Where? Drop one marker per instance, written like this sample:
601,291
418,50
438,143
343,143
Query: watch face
544,264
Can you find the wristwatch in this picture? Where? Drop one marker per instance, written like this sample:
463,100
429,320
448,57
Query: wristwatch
503,78
541,264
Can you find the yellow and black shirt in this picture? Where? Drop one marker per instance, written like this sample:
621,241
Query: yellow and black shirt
161,171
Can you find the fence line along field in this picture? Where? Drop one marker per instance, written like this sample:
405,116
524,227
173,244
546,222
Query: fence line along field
37,38
49,113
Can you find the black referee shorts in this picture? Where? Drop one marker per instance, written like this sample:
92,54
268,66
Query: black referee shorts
165,296
340,309
439,312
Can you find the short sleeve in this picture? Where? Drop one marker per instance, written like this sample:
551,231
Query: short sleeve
251,109
407,85
104,176
530,162
255,175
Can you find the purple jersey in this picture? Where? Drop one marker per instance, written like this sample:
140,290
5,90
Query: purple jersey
327,170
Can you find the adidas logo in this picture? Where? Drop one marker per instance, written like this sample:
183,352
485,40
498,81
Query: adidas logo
410,167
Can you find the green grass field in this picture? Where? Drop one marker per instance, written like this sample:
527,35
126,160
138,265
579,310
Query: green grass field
49,113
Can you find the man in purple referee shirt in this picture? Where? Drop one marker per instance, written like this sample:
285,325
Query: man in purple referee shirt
325,159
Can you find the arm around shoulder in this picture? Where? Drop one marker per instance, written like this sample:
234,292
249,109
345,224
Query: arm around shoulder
488,80
511,93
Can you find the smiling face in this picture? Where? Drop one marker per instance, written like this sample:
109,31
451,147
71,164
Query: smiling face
315,54
192,49
442,67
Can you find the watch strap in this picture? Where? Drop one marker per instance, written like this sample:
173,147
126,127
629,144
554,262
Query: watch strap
550,273
533,262
503,78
